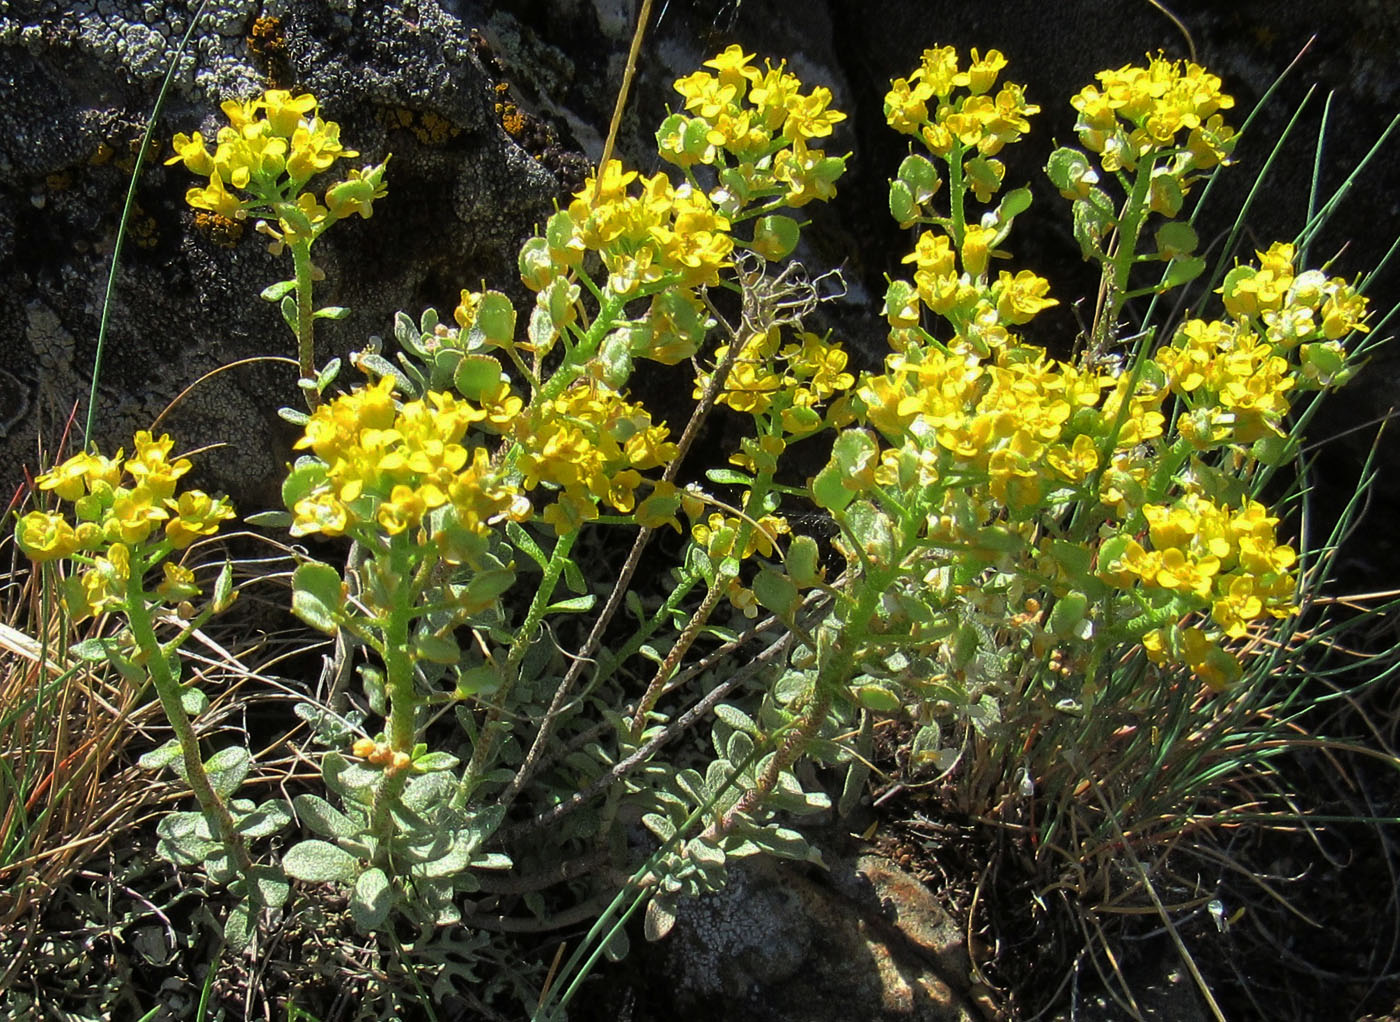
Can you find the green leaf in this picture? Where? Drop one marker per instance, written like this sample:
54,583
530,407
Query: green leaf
227,768
193,701
1012,205
487,586
278,291
92,650
482,680
349,780
926,750
293,415
185,839
326,375
323,818
617,945
660,917
920,176
160,757
774,237
289,312
803,560
269,519
659,825
525,543
572,605
1067,614
435,761
317,862
903,207
268,818
331,312
1070,171
878,698
738,720
729,477
369,905
495,320
1183,270
1175,240
223,588
317,594
775,591
437,649
476,375
239,926
270,887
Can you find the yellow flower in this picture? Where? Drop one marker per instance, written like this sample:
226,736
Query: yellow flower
190,150
196,514
906,105
284,113
215,198
178,584
45,536
1021,297
982,73
80,473
976,248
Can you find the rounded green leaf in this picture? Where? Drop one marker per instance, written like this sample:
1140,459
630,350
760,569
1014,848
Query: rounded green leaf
774,237
476,375
317,592
920,176
369,905
902,205
318,862
227,768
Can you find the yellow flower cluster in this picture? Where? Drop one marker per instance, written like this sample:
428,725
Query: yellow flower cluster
1026,428
125,512
1227,562
402,468
593,445
1236,377
270,148
1168,105
656,236
966,299
791,379
971,118
761,120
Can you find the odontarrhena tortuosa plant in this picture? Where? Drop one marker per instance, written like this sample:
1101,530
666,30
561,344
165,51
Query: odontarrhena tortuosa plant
1016,531
263,160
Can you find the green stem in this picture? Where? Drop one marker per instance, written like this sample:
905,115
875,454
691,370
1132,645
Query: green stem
306,319
168,689
1121,264
956,194
544,596
398,656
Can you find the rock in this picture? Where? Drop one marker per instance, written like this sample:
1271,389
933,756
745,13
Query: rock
400,78
865,941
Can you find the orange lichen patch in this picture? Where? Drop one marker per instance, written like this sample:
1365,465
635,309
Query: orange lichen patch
217,228
428,127
266,39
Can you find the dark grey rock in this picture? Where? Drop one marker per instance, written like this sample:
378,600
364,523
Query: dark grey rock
783,944
79,80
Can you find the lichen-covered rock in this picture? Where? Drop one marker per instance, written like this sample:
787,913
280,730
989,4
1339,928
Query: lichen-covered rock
80,80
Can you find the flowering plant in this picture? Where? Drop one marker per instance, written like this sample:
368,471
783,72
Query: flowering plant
270,150
1006,535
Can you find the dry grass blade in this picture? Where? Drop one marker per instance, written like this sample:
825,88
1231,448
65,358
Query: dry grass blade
64,729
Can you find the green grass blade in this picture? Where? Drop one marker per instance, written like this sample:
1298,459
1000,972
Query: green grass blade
126,216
